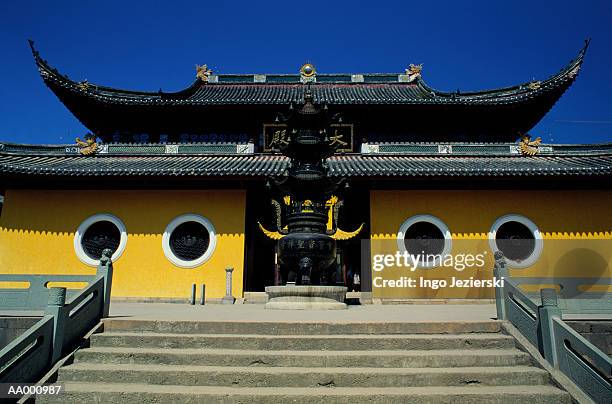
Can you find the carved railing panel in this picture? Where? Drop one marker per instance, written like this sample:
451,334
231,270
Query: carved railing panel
582,362
28,357
83,313
522,312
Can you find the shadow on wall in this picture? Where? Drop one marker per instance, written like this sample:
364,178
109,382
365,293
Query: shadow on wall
582,263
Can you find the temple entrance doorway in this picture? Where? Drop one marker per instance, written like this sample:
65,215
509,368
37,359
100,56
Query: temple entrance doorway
260,250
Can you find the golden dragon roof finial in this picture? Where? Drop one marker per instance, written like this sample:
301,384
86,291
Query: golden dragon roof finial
202,72
414,71
89,146
529,147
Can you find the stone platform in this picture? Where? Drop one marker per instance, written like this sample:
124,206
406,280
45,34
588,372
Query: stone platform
306,297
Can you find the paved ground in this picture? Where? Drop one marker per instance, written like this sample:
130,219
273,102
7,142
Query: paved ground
257,312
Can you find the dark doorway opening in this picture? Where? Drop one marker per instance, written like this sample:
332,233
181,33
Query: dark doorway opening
354,212
260,250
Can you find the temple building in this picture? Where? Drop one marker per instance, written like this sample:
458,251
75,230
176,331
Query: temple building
177,184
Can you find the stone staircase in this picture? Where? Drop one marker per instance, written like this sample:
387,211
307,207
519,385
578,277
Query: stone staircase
258,362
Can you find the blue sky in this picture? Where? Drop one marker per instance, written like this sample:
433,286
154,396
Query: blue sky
467,45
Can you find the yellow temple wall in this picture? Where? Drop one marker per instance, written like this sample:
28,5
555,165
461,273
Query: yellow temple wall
576,228
37,230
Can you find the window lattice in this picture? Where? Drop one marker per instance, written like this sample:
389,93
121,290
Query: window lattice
189,241
424,238
515,240
99,236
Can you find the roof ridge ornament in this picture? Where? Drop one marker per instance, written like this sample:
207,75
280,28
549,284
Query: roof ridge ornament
308,108
587,42
529,147
203,72
35,52
574,72
414,71
39,60
308,73
83,85
534,85
89,146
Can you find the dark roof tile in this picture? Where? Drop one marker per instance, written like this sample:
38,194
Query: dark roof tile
341,166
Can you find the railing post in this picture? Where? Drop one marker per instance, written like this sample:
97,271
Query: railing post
105,270
55,308
500,271
228,298
548,311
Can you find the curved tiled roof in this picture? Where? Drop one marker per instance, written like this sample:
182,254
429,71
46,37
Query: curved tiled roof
447,166
172,166
577,160
376,89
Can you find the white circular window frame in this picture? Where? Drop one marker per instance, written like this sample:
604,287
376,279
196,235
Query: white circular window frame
100,217
448,241
537,236
177,222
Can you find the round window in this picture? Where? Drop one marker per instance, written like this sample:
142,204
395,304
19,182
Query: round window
189,240
98,233
99,236
518,238
425,236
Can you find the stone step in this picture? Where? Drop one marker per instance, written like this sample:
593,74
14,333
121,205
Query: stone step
374,358
351,342
302,377
148,393
301,328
